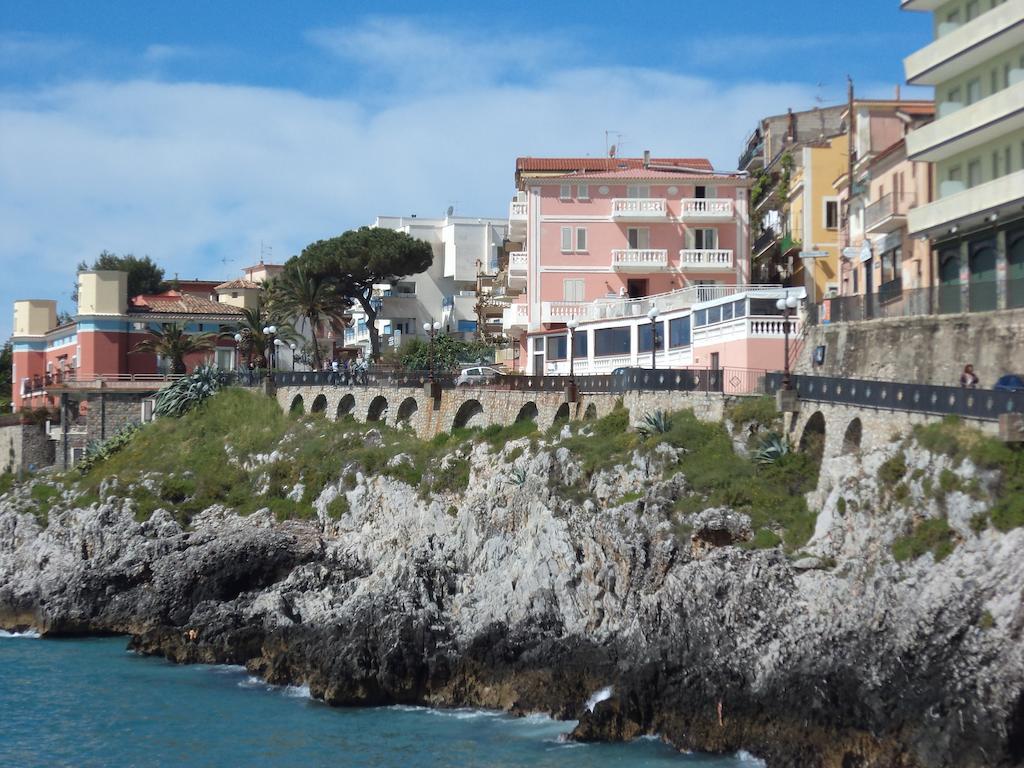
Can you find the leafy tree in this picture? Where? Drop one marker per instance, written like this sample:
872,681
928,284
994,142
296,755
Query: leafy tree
449,352
172,342
299,293
6,373
144,276
359,258
63,318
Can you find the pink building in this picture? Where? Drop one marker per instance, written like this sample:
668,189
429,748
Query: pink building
606,243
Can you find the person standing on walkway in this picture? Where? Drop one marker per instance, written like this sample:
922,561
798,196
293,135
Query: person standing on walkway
334,372
969,379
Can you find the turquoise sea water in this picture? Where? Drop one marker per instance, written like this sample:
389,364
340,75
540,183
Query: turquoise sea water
92,703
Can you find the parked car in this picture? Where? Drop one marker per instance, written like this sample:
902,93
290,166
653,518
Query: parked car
1011,382
480,374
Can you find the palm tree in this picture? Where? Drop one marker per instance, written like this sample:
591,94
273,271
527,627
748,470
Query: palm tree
254,341
299,294
171,342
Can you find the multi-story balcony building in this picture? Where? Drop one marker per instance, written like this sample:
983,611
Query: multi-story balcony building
880,260
604,230
975,221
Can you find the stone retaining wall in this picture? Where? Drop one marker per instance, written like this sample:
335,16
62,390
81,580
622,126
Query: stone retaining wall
25,447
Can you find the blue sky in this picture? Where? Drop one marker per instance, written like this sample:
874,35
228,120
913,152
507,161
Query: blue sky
195,131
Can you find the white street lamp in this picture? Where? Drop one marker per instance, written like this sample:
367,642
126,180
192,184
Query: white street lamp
787,305
652,313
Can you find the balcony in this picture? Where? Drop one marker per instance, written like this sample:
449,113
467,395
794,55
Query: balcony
707,208
716,260
563,311
969,206
772,327
518,267
970,45
764,241
639,209
640,260
515,317
753,158
887,214
970,127
518,210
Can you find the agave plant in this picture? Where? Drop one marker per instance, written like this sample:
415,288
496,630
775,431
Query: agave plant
98,451
181,396
654,423
772,448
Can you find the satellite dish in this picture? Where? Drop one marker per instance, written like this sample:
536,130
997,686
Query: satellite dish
451,210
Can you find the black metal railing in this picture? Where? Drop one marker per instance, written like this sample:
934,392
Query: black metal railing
735,381
982,404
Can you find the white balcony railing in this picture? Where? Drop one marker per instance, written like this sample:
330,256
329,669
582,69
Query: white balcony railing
707,208
639,208
518,263
698,258
639,259
562,311
517,210
746,328
515,316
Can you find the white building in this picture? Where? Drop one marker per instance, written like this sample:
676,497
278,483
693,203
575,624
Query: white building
464,248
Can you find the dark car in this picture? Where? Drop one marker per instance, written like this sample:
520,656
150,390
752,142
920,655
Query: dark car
1011,382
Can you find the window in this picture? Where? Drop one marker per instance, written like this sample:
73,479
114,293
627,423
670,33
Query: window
538,343
703,239
831,214
995,164
762,307
572,290
953,174
714,314
974,91
636,191
700,318
727,311
579,344
974,173
645,337
556,348
581,238
611,341
740,308
856,274
639,237
583,192
571,243
566,239
565,192
972,9
679,332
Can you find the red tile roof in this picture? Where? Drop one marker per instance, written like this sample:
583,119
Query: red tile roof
605,163
232,284
175,303
641,173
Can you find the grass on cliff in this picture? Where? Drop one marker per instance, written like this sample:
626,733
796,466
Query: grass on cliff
951,437
189,459
772,495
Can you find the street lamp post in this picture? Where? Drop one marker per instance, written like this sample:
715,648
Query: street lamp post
238,350
571,392
277,349
787,305
431,329
292,346
268,332
653,314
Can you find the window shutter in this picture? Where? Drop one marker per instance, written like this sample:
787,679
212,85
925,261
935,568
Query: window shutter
566,238
581,239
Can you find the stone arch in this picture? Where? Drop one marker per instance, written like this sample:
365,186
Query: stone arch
297,407
378,409
319,404
407,410
590,413
466,414
527,413
346,405
852,436
812,439
562,414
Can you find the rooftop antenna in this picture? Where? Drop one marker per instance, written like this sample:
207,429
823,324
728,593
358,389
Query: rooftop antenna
818,101
266,252
610,150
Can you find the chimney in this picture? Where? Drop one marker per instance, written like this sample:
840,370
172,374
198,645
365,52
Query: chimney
791,131
647,158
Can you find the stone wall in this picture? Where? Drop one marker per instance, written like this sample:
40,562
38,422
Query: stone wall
108,413
25,447
922,350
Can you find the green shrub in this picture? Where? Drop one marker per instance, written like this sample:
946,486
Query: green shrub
772,448
6,482
979,522
933,535
986,621
177,489
892,470
338,507
654,423
764,539
760,410
180,396
948,481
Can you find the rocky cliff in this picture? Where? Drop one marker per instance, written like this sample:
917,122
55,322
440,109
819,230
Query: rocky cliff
863,647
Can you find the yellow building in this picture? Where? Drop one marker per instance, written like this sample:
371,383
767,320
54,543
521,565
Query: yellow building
812,214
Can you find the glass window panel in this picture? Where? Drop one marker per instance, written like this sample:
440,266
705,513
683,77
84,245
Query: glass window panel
679,332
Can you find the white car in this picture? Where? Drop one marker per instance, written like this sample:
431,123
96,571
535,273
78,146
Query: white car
480,374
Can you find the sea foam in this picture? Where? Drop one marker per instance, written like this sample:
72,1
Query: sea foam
599,696
29,634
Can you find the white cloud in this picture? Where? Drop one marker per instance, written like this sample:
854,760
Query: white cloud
191,173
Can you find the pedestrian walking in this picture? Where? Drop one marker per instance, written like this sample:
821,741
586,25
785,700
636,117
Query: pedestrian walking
334,372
